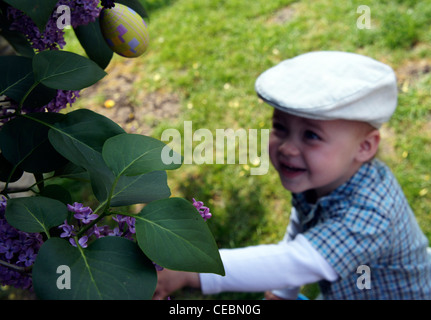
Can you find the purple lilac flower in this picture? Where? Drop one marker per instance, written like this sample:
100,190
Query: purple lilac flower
78,208
99,232
27,258
126,226
7,231
68,230
61,101
82,242
9,248
16,248
84,214
2,206
204,211
52,38
86,217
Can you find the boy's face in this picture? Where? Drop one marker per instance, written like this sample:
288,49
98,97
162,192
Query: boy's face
315,154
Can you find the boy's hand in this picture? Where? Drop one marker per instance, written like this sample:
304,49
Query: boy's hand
169,281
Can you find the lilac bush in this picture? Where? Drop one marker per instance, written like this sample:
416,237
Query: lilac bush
18,249
46,231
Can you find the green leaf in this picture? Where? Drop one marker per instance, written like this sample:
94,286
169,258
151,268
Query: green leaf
172,233
40,96
132,154
19,42
57,192
35,214
141,189
6,169
111,268
80,138
136,5
81,135
17,76
94,44
24,142
65,70
38,10
129,190
72,171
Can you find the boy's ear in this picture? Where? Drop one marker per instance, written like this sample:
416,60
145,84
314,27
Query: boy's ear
368,146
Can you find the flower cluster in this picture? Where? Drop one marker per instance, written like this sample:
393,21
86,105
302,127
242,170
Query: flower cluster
63,98
82,12
52,38
18,249
84,216
204,211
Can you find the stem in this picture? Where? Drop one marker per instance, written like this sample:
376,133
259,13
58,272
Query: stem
16,268
99,207
22,190
128,214
105,205
8,180
111,192
39,181
88,226
21,103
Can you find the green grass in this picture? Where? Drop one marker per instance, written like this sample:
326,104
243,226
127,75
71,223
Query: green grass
210,53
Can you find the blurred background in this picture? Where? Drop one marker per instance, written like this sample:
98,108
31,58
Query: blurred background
201,66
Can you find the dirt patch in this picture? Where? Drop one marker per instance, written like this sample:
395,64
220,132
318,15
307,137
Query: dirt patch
283,15
136,111
412,71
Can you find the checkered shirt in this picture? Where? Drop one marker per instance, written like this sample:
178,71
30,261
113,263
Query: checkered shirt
368,222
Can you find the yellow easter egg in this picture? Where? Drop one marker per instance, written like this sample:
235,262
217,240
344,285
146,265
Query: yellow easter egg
124,30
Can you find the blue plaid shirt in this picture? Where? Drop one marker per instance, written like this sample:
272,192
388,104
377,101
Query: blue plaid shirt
368,222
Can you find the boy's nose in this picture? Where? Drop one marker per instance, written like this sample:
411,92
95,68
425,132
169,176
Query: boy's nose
288,148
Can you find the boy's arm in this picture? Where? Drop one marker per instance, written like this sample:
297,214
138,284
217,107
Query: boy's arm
268,267
255,269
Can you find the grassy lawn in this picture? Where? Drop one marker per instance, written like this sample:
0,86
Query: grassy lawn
209,53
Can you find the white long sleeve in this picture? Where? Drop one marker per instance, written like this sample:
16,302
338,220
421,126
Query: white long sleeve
287,265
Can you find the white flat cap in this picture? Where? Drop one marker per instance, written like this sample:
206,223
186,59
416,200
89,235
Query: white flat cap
329,85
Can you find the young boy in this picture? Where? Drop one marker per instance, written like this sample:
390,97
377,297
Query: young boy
351,228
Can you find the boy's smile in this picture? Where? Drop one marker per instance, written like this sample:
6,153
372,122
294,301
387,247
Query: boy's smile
319,155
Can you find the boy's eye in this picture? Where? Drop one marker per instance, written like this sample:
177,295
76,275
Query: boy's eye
311,135
278,127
